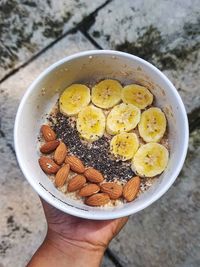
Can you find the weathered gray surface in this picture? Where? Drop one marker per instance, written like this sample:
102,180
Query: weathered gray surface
168,232
23,220
26,27
13,88
166,33
22,224
107,262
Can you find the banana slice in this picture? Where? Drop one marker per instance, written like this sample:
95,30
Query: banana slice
150,160
122,118
73,99
106,94
152,125
124,145
91,123
137,95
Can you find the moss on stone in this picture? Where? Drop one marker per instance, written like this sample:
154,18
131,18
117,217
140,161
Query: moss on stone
147,46
155,48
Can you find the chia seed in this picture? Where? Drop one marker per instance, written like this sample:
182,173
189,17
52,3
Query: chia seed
96,154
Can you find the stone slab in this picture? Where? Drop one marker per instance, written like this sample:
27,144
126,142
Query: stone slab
107,262
166,33
165,234
12,89
168,232
22,222
26,27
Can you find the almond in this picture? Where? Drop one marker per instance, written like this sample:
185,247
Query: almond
60,153
98,199
61,175
48,165
77,182
49,146
131,188
89,190
48,133
114,190
93,175
75,163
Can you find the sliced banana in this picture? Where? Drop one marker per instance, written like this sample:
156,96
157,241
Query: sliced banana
150,160
122,118
137,95
124,145
73,99
106,93
91,123
152,125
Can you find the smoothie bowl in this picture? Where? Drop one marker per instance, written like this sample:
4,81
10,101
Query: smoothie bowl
101,134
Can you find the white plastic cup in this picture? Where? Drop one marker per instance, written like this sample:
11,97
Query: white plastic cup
93,66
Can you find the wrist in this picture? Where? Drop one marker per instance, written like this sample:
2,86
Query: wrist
77,253
58,251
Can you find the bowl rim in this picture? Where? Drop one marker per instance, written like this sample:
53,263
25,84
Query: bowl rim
118,212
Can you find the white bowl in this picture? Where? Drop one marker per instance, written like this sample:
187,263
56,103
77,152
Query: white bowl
83,67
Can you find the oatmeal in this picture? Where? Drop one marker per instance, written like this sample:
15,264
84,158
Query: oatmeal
106,144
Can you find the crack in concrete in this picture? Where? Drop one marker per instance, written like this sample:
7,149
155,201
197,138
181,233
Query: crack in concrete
2,134
88,21
194,119
84,24
10,146
113,258
91,40
31,59
83,27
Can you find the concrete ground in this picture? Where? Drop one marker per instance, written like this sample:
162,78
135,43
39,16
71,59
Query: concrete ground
33,35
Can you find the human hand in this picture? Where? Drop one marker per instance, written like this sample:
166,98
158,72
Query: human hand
80,242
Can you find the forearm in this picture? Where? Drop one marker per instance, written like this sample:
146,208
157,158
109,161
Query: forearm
63,254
